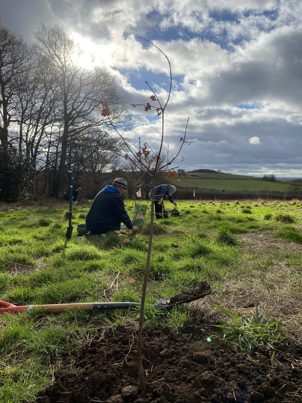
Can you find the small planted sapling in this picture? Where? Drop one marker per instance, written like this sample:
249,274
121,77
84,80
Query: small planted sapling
152,163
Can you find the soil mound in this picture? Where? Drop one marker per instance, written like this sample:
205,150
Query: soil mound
181,367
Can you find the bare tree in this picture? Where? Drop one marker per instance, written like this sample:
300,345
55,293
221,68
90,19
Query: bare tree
50,109
83,94
152,163
36,111
14,58
93,152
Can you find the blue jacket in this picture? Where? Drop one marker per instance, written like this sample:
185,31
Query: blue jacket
107,211
164,190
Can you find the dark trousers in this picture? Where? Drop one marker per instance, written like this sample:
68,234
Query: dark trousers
160,211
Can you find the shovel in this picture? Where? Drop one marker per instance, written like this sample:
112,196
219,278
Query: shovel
200,291
69,228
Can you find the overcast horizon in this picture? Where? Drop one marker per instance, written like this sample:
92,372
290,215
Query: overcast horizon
237,72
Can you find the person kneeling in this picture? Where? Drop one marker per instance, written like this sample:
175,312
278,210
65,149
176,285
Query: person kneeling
107,210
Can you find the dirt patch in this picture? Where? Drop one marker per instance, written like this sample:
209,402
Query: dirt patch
262,243
16,268
181,367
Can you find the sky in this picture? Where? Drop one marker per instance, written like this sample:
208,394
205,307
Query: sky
236,66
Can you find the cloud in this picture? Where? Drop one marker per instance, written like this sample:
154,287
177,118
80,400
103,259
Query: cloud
254,140
25,17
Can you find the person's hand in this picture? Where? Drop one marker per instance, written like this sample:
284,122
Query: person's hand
135,230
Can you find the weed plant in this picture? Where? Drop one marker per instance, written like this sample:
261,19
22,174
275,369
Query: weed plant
246,211
250,333
226,238
285,218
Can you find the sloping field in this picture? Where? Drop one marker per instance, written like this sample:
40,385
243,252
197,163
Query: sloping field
231,183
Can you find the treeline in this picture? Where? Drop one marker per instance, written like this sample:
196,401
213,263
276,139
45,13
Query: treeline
53,116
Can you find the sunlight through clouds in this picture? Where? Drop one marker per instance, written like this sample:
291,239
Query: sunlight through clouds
90,54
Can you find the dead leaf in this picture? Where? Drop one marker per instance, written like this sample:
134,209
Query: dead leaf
105,111
147,107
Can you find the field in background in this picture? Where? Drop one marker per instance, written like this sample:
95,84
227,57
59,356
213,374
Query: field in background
249,252
232,183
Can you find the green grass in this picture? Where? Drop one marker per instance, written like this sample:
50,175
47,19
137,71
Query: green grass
290,234
230,183
36,267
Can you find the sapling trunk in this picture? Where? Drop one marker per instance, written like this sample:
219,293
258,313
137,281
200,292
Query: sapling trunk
140,367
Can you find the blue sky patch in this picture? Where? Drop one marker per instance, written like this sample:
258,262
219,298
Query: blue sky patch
224,15
158,81
251,105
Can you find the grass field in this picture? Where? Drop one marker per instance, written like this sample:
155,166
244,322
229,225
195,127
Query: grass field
249,252
231,183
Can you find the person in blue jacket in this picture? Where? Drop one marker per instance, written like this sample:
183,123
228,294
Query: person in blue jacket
107,211
158,194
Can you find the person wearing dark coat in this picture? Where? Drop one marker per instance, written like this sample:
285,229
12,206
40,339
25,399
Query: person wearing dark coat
107,211
158,194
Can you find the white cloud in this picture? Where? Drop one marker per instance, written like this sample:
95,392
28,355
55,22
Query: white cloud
254,140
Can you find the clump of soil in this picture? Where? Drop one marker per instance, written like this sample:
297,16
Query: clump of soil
181,367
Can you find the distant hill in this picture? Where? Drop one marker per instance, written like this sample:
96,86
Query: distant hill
290,179
206,171
211,180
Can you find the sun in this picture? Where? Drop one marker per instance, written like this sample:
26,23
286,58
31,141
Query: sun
89,54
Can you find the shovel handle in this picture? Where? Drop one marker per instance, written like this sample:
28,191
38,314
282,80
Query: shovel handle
6,307
83,305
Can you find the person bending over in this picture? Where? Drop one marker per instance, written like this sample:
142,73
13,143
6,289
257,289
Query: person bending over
107,210
158,194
